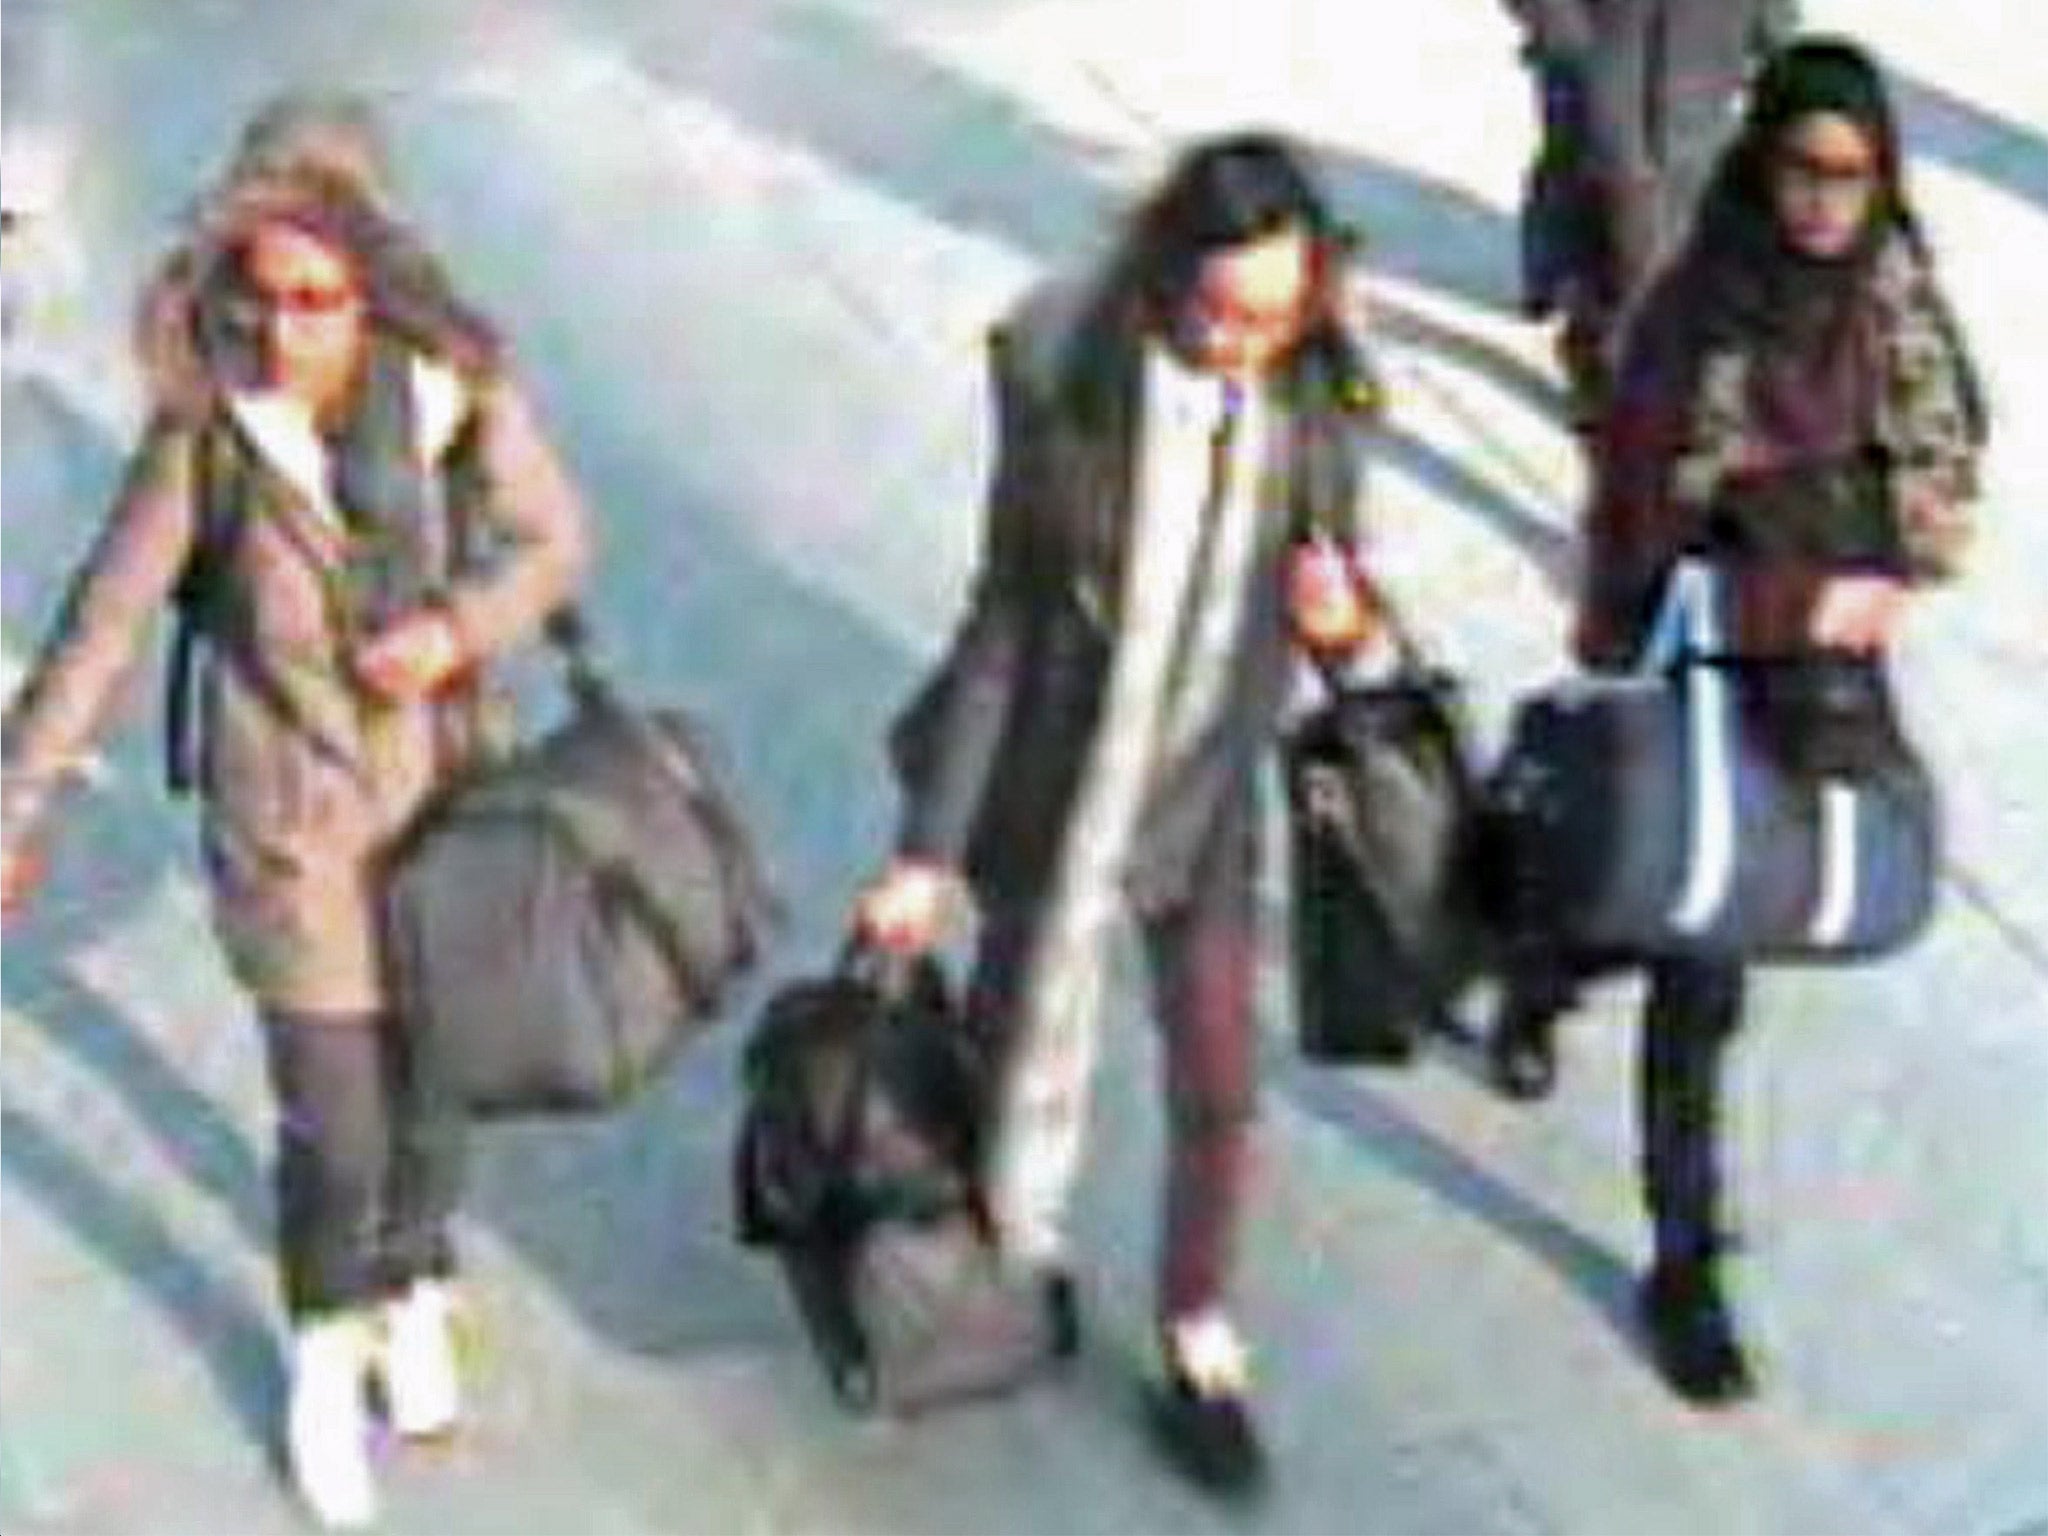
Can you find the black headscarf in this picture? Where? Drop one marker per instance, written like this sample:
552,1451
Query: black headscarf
1755,287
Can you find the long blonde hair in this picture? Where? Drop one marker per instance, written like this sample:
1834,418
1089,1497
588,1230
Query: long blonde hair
314,162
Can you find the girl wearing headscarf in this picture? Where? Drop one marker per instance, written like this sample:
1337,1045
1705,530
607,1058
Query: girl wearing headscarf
1795,400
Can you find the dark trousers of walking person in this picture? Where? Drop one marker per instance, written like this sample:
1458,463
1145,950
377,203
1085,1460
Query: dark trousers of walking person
1692,1011
1569,259
1201,954
1691,1014
369,1161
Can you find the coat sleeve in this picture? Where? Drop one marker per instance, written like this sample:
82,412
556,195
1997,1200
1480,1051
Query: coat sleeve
535,509
1635,522
125,581
1931,418
944,743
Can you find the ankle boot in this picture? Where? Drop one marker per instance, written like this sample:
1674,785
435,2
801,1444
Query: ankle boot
1522,1051
327,1422
1691,1335
416,1361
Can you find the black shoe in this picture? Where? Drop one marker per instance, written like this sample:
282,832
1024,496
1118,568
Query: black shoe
1522,1051
1692,1338
1062,1314
1209,1438
1382,1048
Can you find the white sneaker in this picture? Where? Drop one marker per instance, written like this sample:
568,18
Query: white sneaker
1210,1353
327,1422
417,1361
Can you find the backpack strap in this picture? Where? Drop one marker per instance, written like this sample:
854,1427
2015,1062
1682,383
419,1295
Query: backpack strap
216,523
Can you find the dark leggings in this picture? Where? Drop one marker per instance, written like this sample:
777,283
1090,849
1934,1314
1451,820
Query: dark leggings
369,1161
1692,1012
1201,954
1693,1009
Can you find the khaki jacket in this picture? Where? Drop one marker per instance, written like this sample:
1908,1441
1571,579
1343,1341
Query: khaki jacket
305,780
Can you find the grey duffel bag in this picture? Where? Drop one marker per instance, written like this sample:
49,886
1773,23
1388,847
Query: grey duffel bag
561,922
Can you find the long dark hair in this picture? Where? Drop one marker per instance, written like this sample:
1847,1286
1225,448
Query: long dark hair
1740,274
1812,75
1220,194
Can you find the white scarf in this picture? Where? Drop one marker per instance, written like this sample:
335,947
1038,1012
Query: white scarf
1140,731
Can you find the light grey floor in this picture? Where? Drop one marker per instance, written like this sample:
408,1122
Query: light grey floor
745,253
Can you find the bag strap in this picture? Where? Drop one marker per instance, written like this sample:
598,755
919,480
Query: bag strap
591,690
1688,625
1686,636
891,979
188,597
607,842
588,680
181,681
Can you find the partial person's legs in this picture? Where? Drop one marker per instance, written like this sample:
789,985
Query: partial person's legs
1623,190
1567,236
1692,1012
1556,213
1204,959
428,1143
994,1015
333,1158
1585,351
418,1256
1538,984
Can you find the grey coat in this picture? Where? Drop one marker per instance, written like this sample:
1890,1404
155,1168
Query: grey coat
992,750
1663,81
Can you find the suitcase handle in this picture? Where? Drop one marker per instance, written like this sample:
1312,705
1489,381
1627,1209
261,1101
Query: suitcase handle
892,978
872,966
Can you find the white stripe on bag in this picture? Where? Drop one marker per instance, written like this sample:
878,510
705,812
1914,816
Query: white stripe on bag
1834,907
1710,862
1691,612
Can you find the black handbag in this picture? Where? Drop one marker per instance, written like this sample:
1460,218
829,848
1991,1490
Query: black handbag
1709,807
1381,798
857,1163
562,921
1825,715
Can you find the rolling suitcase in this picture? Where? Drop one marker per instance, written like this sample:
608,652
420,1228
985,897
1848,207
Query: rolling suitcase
857,1164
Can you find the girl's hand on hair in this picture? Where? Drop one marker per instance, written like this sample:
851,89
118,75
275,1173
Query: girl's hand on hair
1857,613
415,657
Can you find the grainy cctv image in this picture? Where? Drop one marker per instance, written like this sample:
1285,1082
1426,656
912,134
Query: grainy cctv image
1023,766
